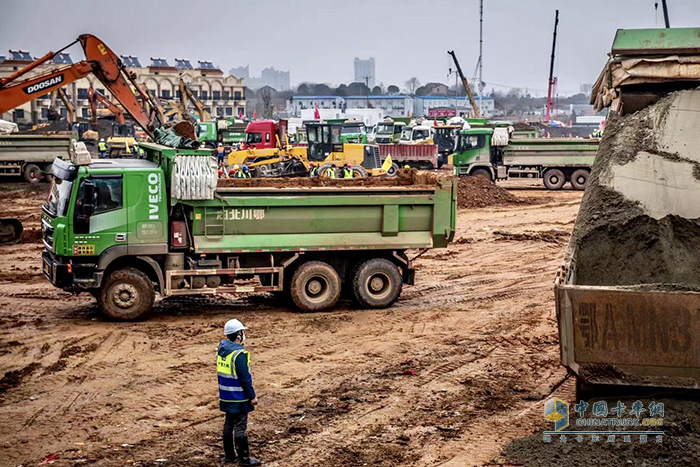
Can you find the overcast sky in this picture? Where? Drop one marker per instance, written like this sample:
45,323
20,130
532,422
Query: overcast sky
317,40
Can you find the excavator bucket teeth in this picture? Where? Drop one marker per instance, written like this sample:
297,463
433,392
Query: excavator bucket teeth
10,230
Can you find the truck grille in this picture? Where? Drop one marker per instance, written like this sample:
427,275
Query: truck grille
47,234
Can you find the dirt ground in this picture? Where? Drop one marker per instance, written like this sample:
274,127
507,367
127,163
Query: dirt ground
454,372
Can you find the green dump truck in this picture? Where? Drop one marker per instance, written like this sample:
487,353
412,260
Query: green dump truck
31,155
493,154
125,230
228,131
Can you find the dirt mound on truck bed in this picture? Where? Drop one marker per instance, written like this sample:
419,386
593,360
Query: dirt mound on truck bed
638,223
405,177
478,192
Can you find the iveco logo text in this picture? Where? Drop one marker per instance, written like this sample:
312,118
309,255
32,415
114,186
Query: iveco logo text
153,195
47,83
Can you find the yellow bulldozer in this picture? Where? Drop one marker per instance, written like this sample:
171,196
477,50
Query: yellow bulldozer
267,152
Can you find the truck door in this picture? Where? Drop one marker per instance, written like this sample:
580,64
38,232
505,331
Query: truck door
147,213
99,215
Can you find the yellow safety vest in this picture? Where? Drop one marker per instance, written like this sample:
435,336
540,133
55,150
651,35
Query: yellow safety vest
230,389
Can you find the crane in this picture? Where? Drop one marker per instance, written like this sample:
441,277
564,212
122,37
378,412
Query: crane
100,61
477,114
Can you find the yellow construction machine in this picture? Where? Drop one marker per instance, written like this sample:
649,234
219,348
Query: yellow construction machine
267,153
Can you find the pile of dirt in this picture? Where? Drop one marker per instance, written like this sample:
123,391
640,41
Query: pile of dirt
405,177
478,192
680,445
619,241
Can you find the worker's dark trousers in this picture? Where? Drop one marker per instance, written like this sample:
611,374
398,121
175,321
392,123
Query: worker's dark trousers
235,426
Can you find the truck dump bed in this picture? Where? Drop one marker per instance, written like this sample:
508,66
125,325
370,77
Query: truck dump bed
337,217
560,152
34,148
628,295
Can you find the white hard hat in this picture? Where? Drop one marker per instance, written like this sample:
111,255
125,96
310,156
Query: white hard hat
232,326
102,139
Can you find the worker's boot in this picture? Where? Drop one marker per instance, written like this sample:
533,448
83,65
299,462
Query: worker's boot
244,457
229,450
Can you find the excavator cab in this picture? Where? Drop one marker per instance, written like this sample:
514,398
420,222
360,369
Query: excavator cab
325,147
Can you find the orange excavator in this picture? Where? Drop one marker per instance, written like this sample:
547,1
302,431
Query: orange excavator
95,97
100,61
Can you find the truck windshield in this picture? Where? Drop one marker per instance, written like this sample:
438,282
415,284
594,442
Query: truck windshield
406,134
352,130
57,202
385,129
252,138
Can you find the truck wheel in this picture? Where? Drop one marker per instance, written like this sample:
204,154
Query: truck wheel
359,172
127,294
393,170
33,174
376,283
579,179
554,179
482,173
315,286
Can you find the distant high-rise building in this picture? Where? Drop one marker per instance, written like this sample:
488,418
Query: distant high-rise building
364,71
240,72
277,79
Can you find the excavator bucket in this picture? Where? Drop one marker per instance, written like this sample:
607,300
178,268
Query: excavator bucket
10,230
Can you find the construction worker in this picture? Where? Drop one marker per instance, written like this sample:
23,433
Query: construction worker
236,393
102,148
246,172
220,153
347,171
138,151
330,171
313,170
237,172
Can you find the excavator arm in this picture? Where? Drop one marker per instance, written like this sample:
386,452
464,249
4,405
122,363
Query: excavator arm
101,61
67,104
204,115
465,83
95,97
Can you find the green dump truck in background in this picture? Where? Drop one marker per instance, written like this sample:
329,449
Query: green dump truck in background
493,154
31,156
125,230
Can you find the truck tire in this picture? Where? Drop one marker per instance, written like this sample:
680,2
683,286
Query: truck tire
579,179
482,173
359,172
315,286
554,179
126,295
376,283
33,174
393,170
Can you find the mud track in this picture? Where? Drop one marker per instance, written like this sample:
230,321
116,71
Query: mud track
457,369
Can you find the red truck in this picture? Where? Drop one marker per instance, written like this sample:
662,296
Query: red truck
265,134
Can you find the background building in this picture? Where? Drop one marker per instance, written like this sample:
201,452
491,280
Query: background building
221,95
277,79
393,106
364,71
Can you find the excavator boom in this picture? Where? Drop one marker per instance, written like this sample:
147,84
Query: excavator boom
101,61
465,83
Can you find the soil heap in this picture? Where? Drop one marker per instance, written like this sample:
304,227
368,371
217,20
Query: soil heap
638,222
479,192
